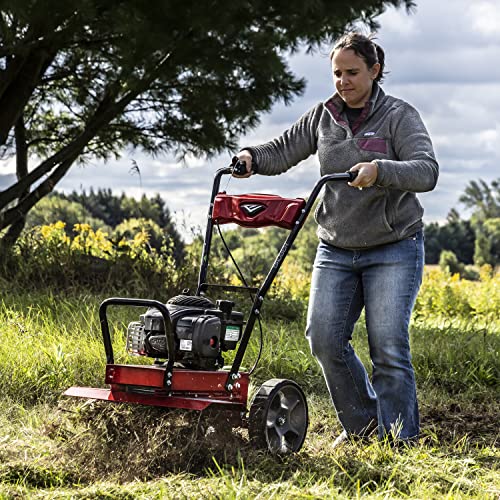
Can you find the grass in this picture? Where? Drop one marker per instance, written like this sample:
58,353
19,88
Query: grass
44,466
51,447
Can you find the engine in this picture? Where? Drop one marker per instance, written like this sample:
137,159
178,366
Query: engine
202,332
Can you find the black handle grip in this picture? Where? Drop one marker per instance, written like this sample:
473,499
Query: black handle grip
240,167
352,175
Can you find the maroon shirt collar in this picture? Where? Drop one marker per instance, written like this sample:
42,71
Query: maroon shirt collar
335,105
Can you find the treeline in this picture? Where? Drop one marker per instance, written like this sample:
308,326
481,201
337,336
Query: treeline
476,240
102,243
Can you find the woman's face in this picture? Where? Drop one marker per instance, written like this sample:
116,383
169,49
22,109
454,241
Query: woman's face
352,77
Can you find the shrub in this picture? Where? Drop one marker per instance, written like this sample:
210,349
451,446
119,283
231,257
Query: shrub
47,257
448,262
447,295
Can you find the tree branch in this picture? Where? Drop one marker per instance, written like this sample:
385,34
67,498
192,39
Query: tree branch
18,212
107,110
16,93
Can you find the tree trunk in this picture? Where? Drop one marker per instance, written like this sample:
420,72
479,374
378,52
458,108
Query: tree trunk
16,228
18,84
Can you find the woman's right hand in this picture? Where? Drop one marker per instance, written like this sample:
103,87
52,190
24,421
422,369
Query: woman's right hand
246,157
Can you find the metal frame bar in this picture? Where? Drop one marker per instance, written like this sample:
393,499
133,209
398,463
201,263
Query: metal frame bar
119,301
210,226
182,402
188,389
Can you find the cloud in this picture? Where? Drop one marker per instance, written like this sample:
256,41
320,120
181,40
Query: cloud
436,25
452,41
485,18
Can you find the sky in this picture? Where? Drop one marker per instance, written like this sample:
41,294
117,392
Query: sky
444,59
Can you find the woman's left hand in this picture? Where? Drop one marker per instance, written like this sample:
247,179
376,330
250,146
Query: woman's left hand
367,175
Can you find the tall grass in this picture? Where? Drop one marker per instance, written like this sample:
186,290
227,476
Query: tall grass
51,447
51,341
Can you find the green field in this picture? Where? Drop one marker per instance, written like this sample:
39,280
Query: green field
54,447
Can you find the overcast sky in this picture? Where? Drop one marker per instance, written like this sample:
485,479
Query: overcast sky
444,59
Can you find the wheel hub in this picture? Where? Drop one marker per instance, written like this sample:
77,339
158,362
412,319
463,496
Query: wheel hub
278,417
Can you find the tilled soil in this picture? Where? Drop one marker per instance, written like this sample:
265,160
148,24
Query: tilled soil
451,421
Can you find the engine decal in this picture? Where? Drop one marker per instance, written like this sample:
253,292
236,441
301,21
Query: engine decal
186,345
232,333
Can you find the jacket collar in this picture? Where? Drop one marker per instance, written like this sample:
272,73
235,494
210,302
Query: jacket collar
336,105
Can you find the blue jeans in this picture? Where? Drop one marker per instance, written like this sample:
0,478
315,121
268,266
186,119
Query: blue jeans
385,281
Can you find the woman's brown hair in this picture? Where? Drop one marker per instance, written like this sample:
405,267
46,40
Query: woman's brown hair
364,47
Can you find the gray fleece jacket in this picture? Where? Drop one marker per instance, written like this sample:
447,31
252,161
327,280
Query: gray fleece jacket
389,131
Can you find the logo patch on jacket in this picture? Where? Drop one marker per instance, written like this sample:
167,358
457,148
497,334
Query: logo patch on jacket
375,144
252,209
368,134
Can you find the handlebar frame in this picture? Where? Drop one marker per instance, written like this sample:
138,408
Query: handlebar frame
287,245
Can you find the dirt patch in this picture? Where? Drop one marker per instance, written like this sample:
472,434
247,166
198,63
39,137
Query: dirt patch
137,442
454,420
100,441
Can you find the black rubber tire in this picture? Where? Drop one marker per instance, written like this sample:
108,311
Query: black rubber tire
191,300
278,417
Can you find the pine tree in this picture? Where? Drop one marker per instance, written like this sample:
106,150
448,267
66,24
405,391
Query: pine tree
85,79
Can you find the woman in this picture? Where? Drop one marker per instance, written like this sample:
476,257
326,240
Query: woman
371,250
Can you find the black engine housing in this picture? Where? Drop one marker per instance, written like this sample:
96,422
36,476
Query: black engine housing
202,331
